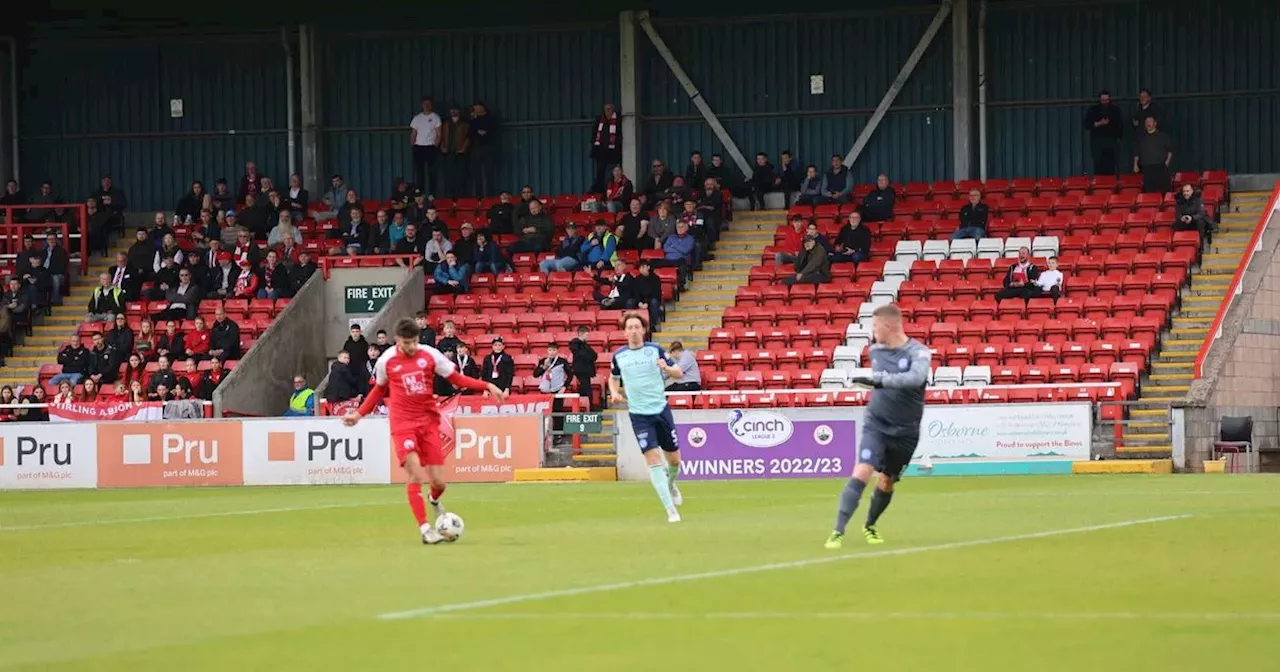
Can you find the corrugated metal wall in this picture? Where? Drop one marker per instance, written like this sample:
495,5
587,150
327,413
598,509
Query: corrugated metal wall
543,86
94,107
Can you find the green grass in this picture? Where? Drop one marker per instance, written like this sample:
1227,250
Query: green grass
189,580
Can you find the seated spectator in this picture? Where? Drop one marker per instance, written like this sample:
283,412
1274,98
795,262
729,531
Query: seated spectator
55,260
489,258
120,338
105,302
432,221
1190,214
13,195
247,283
221,282
632,229
452,277
355,232
190,205
973,218
567,251
335,198
691,380
65,395
465,246
8,403
789,176
1049,282
274,205
171,344
89,392
838,182
206,229
399,225
300,273
662,223
74,359
648,293
599,250
680,250
499,368
535,229
448,337
696,171
411,244
257,218
711,212
552,371
346,378
719,172
1020,279
224,337
618,290
811,231
793,242
103,367
99,226
466,364
222,198
812,265
168,252
231,230
163,377
135,392
522,206
810,187
284,227
659,183
146,341
619,192
196,342
39,278
250,185
39,412
162,394
877,205
764,180
435,249
211,379
289,250
677,194
584,363
44,215
853,243
501,215
275,282
296,199
302,401
401,195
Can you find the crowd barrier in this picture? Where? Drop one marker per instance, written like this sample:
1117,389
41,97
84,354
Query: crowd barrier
824,442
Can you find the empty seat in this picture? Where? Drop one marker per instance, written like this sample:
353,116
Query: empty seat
1012,245
936,250
963,249
884,291
949,376
990,248
1044,246
897,270
976,376
908,250
855,336
846,357
834,379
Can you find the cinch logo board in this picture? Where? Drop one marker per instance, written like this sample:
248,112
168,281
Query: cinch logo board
488,448
315,451
169,454
42,455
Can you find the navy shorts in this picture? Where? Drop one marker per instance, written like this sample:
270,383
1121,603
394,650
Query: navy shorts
890,455
656,431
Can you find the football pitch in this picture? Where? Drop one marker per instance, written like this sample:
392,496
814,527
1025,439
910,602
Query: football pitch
1008,573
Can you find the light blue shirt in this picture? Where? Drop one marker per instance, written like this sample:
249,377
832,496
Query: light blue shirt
645,383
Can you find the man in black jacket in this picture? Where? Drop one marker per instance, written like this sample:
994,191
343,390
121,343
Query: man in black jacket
617,291
584,363
648,294
1020,279
38,277
499,368
973,218
103,367
426,335
55,261
763,181
357,347
853,243
300,272
344,379
74,359
877,205
224,337
1105,124
502,215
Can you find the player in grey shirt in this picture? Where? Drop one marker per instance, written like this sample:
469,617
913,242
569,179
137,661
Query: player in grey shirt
891,430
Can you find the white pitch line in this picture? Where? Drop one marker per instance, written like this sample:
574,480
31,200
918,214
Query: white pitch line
862,616
193,516
739,571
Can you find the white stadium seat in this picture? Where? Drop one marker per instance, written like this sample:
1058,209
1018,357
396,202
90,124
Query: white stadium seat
1012,245
863,372
900,270
846,357
948,376
884,291
1044,246
833,379
963,250
990,248
907,250
976,376
936,250
857,337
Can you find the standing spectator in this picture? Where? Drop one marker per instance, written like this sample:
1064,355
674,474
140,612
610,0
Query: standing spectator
1020,279
302,401
489,258
696,172
535,228
55,262
619,192
335,198
424,136
47,197
837,184
599,251
499,368
426,335
501,215
763,181
584,363
691,378
1049,282
222,199
74,360
482,137
1190,213
789,174
1146,108
434,251
633,229
300,273
877,205
1152,157
606,147
452,181
973,218
357,346
792,242
452,277
553,371
660,182
810,187
106,301
853,243
224,337
1105,124
812,265
567,251
197,199
250,182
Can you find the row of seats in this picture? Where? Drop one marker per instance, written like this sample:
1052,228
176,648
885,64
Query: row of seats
236,309
182,369
955,375
927,229
958,395
781,357
1186,242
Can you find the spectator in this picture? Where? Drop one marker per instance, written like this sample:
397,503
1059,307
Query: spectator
163,376
231,230
680,250
599,251
224,337
380,342
853,243
454,143
8,404
606,147
1152,156
221,282
811,231
810,187
162,393
676,195
275,278
38,399
168,256
302,402
648,293
489,258
619,192
55,262
792,240
357,346
633,228
465,246
172,345
567,251
660,182
789,174
764,180
396,231
300,273
196,342
284,227
1049,282
1020,279
711,210
250,183
552,371
452,277
535,228
424,136
111,198
142,252
355,233
696,171
371,362
106,301
146,341
254,217
89,392
379,241
65,395
134,371
878,204
499,368
973,218
39,278
211,379
222,199
501,215
13,195
1146,108
661,224
19,300
1105,125
482,140
466,363
426,335
206,229
411,245
691,380
335,198
448,337
44,215
837,184
288,251
435,249
616,291
1190,213
99,226
812,265
120,338
583,364
190,205
247,282
401,196
431,221
522,206
74,359
296,199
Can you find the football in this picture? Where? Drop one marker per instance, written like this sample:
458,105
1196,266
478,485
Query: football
449,525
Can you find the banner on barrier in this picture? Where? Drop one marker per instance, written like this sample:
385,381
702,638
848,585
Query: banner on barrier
766,444
289,452
487,448
134,454
122,411
43,455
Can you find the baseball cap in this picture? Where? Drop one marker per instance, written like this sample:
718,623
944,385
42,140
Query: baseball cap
498,339
231,213
223,256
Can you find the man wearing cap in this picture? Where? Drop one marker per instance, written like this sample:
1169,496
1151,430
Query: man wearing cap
464,248
567,251
499,368
301,272
221,282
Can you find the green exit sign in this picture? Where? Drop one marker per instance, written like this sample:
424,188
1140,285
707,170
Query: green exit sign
582,423
368,298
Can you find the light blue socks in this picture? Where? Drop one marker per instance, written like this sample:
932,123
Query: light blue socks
658,476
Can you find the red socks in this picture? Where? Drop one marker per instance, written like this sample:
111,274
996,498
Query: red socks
416,502
436,493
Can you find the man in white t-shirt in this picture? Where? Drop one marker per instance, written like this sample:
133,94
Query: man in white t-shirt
1050,280
424,135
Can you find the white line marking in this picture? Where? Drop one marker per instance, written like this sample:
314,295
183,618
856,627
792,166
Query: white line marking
193,516
861,616
739,571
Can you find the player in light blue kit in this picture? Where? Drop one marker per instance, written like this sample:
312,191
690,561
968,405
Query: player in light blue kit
642,368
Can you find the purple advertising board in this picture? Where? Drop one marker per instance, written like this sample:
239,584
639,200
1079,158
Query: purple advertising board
752,444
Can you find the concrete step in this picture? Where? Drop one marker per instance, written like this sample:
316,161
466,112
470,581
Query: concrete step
1135,440
1170,377
1189,332
1173,367
1202,323
1178,356
1135,450
1181,345
1148,412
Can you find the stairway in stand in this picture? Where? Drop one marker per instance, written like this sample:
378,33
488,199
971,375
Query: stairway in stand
52,331
1173,367
691,320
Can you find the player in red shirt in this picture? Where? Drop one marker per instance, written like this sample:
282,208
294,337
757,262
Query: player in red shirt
405,375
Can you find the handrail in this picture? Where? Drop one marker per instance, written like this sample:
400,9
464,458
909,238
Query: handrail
328,263
82,213
1215,330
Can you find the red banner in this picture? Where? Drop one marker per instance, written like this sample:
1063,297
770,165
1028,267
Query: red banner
106,411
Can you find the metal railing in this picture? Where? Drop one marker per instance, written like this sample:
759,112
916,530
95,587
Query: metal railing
11,232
